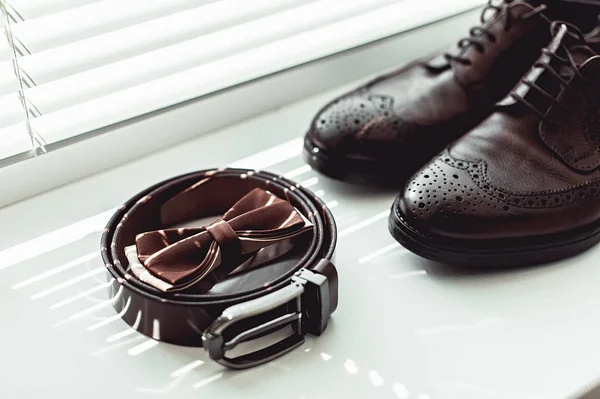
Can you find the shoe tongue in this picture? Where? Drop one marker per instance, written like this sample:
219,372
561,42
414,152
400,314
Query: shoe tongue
581,54
541,77
534,3
581,13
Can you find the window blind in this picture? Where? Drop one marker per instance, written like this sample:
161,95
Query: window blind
87,64
17,139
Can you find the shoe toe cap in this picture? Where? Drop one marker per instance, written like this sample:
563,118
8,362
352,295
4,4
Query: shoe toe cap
447,199
351,119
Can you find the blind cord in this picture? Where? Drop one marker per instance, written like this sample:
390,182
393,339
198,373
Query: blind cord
37,142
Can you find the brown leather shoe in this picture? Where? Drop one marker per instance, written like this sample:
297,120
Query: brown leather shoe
390,127
522,187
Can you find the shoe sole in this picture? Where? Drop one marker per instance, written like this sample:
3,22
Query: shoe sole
501,253
352,170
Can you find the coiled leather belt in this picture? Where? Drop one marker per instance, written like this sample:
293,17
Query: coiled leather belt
297,289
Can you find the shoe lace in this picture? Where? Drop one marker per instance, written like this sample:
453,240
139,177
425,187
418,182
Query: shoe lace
567,62
476,33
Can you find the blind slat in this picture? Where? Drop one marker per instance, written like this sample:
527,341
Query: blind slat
72,58
14,140
92,19
8,80
5,52
138,70
11,109
237,68
29,9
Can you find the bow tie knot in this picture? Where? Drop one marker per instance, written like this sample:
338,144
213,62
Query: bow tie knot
226,238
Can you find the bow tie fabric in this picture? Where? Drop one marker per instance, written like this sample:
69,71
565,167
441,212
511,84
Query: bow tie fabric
175,259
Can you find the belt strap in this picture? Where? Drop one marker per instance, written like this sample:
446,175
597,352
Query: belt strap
300,288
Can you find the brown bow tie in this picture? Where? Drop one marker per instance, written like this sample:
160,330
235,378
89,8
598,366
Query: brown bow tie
179,258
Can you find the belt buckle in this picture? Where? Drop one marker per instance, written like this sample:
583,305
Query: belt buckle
309,304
